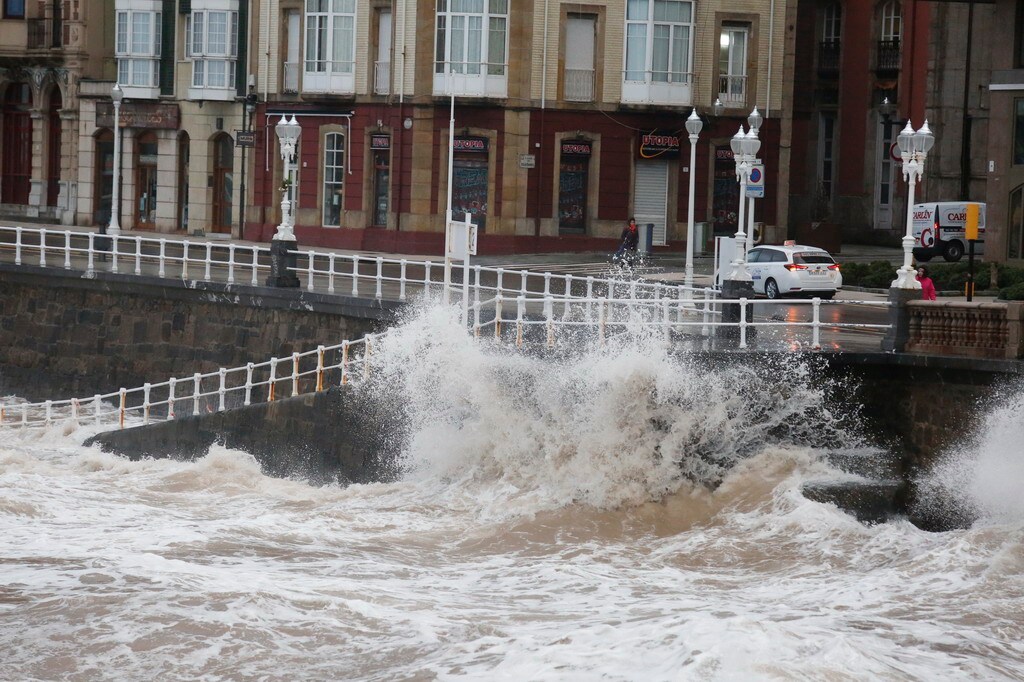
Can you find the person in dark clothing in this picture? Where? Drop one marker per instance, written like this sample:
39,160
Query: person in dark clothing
629,240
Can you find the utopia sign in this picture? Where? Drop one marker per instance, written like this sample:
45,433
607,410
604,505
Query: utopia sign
139,115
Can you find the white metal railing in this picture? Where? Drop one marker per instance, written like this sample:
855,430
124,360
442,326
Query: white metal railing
579,85
298,374
291,77
320,271
732,89
382,78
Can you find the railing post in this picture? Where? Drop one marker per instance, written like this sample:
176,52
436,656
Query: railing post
17,245
42,247
222,389
145,402
91,253
520,309
547,285
401,281
380,277
568,294
426,279
171,383
330,272
272,382
499,301
704,331
601,322
743,323
138,255
366,356
295,374
67,249
255,265
312,268
666,319
590,295
344,362
523,275
816,324
231,263
75,410
184,259
197,378
499,286
49,411
248,383
163,256
209,261
548,309
123,395
96,405
320,368
355,275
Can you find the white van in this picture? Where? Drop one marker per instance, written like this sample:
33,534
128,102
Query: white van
939,230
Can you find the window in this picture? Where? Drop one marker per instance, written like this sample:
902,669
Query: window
658,50
330,46
291,50
334,177
580,31
138,48
471,47
826,155
212,43
1018,57
573,183
732,65
831,25
892,22
14,9
1015,225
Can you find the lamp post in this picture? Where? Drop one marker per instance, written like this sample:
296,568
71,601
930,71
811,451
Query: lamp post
754,121
283,244
116,95
693,127
914,148
247,116
740,145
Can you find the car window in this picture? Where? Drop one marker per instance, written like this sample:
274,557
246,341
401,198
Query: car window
778,257
811,258
755,255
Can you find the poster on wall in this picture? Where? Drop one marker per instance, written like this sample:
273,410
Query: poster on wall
726,193
469,193
572,196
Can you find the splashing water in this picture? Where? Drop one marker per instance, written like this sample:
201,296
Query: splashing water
619,513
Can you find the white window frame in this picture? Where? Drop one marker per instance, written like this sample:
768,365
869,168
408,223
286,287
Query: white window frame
657,81
206,54
333,176
471,47
328,64
892,22
832,23
138,57
732,67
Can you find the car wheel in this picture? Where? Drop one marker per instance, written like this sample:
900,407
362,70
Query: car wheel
827,295
953,252
923,258
771,289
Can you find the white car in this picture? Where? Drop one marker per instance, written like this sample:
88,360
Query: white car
793,269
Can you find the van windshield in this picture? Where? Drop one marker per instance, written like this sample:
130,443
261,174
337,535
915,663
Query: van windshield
811,258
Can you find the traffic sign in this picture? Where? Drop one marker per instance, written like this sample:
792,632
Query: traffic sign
755,183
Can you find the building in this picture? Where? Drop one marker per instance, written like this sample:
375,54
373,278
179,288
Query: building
46,49
569,118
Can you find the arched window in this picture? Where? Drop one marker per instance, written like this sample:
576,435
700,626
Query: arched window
334,177
892,22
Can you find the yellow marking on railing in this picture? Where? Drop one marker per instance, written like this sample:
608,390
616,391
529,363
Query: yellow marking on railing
319,369
344,363
124,398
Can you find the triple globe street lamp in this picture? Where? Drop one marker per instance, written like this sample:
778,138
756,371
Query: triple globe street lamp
114,227
283,245
744,149
914,147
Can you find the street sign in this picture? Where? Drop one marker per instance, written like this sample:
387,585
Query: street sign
527,161
755,184
245,138
461,245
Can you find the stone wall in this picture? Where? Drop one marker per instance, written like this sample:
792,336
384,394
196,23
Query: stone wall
62,334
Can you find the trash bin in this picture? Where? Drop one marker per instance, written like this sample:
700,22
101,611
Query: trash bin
646,238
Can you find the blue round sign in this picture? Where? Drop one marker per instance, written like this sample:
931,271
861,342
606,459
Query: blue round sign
755,175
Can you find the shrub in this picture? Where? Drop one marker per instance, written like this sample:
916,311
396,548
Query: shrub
878,274
1012,293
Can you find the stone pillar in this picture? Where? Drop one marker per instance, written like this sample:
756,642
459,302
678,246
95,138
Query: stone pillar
734,290
37,190
895,340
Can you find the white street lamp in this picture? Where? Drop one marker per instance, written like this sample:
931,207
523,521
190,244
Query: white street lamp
288,136
693,127
752,145
914,148
755,119
740,145
116,94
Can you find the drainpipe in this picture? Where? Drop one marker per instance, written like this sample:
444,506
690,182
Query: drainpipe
965,141
543,104
771,42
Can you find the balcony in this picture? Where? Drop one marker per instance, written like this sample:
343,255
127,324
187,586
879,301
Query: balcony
44,34
291,78
828,58
382,78
657,87
470,79
888,61
579,85
732,90
329,77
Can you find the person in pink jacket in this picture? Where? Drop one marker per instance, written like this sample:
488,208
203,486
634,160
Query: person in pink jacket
927,285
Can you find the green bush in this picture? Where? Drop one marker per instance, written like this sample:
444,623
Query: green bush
947,276
953,276
878,274
1012,293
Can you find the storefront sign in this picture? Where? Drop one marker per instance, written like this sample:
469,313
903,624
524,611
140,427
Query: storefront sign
576,147
527,161
158,115
471,144
659,144
380,142
245,138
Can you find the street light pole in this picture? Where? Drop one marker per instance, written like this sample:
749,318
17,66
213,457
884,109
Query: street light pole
693,127
754,120
283,244
114,227
738,145
914,148
248,109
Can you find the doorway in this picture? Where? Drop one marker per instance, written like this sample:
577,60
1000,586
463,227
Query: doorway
223,183
145,181
17,144
650,196
53,158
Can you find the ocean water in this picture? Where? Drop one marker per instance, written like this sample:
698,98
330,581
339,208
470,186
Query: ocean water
612,513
